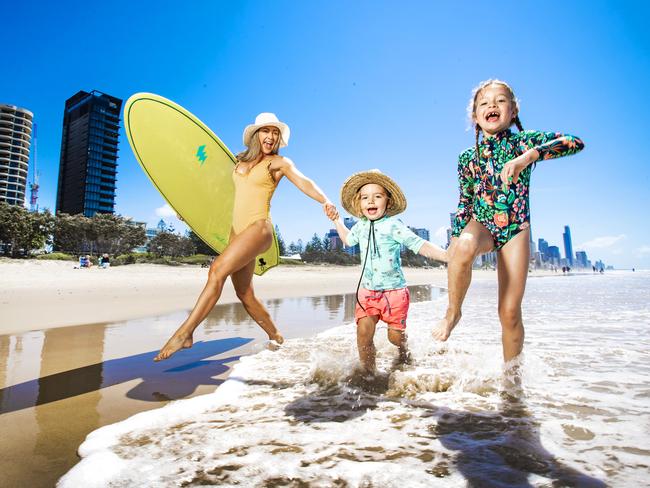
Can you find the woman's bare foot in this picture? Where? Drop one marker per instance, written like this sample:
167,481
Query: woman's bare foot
175,343
445,326
277,337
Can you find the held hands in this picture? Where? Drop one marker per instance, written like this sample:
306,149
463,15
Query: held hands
511,170
330,210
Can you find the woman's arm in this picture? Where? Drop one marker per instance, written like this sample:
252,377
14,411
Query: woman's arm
306,185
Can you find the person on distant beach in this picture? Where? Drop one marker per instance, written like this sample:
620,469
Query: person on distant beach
256,175
104,261
375,199
493,212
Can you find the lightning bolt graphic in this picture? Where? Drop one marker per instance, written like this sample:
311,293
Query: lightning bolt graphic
201,155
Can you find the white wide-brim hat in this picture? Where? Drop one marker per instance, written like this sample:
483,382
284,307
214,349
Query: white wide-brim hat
354,183
267,119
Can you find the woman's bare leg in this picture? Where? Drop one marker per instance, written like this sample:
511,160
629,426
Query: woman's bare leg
474,240
512,265
242,280
241,250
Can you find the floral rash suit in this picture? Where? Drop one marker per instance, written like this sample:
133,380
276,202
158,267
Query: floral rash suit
502,208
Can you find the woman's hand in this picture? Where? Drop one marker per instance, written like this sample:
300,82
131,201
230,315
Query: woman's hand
330,210
511,170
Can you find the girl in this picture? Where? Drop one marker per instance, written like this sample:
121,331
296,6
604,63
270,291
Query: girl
376,199
256,175
493,213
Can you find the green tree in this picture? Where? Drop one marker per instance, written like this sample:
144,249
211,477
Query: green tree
21,231
172,245
200,246
281,245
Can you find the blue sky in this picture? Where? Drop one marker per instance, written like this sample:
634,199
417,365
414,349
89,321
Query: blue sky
363,85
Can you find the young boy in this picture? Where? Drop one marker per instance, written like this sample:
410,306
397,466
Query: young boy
375,199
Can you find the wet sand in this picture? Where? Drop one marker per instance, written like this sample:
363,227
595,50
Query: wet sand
57,384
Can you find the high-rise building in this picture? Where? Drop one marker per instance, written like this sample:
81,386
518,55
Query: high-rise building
423,233
334,240
15,142
568,246
554,255
354,250
581,259
88,166
543,248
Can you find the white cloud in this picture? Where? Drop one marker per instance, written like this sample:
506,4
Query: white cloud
643,250
603,242
165,211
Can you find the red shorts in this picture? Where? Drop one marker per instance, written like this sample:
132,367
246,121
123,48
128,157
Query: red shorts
391,306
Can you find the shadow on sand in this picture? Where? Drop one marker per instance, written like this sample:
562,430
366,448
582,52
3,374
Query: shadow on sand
167,380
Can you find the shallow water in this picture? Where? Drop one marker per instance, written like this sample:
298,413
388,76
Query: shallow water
57,385
300,416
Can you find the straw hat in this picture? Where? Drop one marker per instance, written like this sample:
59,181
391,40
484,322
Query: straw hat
353,184
266,119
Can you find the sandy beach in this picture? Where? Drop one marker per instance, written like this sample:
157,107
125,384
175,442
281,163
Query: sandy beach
76,346
38,295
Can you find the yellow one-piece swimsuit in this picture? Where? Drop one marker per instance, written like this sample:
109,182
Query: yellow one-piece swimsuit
253,192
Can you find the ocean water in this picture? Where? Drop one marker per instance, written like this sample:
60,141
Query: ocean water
579,415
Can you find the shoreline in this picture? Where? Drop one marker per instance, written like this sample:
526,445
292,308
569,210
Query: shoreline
39,295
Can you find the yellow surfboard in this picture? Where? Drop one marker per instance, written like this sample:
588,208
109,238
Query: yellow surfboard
190,167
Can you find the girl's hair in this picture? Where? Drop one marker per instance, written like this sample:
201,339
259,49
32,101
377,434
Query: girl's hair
471,108
356,199
254,148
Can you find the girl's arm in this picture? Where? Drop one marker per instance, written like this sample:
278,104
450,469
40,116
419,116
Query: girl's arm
537,146
466,190
433,251
286,167
342,230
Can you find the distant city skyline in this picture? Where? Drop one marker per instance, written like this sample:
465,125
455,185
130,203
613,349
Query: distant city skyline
385,91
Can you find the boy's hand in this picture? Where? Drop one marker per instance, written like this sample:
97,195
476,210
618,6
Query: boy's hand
330,210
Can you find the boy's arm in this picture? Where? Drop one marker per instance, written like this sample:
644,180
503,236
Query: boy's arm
433,251
342,230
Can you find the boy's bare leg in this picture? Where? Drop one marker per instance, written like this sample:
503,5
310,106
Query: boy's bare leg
474,240
242,280
365,342
398,338
512,267
241,250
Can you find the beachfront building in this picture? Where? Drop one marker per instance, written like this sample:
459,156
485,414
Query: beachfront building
15,142
334,241
423,233
542,245
554,255
581,259
89,145
568,246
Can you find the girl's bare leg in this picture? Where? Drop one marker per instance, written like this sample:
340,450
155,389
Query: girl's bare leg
241,250
474,240
242,280
512,268
365,342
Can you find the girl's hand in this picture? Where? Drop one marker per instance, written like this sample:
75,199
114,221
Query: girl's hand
330,210
511,170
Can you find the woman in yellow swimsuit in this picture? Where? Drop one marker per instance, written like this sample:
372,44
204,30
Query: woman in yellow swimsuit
256,176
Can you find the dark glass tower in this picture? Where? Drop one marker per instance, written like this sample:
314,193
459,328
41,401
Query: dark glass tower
89,144
568,246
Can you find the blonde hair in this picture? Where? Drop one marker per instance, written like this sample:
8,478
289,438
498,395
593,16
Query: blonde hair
471,108
254,148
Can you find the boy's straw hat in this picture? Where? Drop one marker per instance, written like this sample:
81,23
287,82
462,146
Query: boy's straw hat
353,184
267,119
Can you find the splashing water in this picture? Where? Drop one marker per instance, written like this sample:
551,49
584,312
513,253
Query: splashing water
575,415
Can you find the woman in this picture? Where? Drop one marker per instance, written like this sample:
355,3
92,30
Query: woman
256,175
